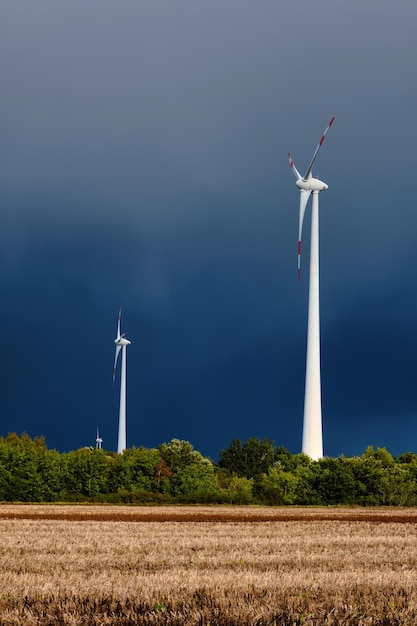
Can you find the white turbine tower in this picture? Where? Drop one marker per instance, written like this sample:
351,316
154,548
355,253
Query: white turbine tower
312,426
121,345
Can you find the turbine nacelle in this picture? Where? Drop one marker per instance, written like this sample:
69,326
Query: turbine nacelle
311,184
122,341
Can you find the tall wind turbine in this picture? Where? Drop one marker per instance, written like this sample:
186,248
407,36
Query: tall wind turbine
312,426
121,345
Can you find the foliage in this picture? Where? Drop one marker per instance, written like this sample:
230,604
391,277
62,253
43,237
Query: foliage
28,471
278,487
191,472
250,472
250,459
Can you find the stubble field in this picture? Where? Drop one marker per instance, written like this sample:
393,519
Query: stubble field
240,566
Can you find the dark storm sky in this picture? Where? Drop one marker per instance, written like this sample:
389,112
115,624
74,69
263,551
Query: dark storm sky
143,163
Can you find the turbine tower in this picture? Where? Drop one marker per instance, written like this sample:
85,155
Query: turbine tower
121,345
312,424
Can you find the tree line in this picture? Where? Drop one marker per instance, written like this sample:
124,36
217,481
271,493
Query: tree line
251,472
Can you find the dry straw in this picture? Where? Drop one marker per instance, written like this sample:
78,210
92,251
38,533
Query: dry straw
207,566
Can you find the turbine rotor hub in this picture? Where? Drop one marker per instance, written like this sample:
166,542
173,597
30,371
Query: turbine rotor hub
311,184
122,341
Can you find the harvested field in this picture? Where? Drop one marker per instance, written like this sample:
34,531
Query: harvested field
240,566
172,513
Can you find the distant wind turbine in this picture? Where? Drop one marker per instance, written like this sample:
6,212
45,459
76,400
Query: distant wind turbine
312,426
99,441
121,345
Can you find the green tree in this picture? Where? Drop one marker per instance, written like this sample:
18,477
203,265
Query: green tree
398,486
368,471
136,469
278,487
250,459
50,469
407,457
197,480
306,473
191,472
334,483
23,462
287,461
239,490
86,473
178,454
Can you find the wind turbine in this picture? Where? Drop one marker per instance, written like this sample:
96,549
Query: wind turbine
121,345
312,424
99,441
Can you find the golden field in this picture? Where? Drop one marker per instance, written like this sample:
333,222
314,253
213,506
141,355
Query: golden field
212,566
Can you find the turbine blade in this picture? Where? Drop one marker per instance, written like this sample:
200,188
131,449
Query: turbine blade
118,348
310,167
304,196
118,324
293,168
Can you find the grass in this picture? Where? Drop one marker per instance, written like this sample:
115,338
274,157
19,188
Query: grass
212,566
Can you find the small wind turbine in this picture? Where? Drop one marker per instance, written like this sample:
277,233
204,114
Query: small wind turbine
312,426
121,344
99,441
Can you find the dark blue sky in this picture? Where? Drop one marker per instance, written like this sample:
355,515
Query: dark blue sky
143,163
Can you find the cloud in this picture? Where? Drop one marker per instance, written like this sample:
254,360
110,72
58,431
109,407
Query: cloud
144,163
